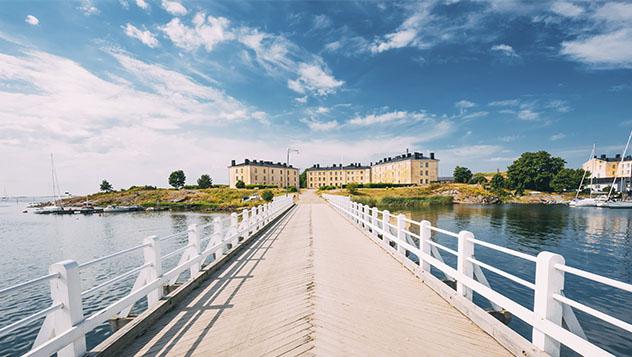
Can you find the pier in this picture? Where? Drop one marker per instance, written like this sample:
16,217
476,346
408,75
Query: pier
318,276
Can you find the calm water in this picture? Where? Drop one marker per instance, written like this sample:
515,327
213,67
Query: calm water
593,239
30,243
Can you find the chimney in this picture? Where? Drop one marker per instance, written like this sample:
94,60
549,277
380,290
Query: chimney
232,162
246,161
617,156
603,156
432,155
407,151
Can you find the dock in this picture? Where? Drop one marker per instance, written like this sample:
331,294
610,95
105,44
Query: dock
315,275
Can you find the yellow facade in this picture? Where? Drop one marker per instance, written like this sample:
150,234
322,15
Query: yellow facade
608,167
409,168
254,172
337,175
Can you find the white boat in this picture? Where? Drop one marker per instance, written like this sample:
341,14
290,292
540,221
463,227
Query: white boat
616,204
48,209
113,208
583,202
590,201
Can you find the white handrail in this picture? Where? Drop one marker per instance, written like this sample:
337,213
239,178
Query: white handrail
546,317
65,326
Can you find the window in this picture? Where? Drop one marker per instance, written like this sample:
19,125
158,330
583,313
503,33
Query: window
426,172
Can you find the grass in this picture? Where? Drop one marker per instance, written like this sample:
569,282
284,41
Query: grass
392,202
210,199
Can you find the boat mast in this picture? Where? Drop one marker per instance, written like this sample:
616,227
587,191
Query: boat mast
620,164
581,183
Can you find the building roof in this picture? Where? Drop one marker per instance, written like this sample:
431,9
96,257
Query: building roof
406,156
616,158
248,162
353,166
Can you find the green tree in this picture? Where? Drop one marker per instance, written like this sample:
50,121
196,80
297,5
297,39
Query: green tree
205,181
292,189
177,179
240,184
462,174
497,183
105,186
478,179
534,171
267,195
302,179
567,180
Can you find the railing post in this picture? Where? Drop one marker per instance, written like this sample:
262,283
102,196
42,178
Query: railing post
252,227
548,281
234,227
374,221
401,236
218,232
426,235
245,223
386,231
464,266
66,290
151,254
195,249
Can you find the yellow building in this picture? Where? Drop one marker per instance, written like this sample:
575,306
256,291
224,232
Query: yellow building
337,175
408,168
603,170
253,172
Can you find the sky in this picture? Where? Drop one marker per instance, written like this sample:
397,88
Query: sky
130,90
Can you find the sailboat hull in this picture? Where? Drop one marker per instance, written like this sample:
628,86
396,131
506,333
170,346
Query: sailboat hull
584,202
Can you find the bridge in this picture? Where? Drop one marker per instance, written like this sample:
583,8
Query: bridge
316,276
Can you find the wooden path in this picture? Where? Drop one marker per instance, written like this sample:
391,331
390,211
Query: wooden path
315,285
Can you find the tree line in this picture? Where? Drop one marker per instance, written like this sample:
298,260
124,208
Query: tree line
177,179
537,171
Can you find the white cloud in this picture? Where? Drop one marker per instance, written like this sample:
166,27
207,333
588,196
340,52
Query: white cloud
566,9
31,20
207,32
174,8
399,39
321,125
475,115
88,8
322,110
464,104
407,34
558,136
398,116
313,78
301,100
145,37
528,115
615,12
505,103
510,138
613,49
559,105
321,22
505,50
142,4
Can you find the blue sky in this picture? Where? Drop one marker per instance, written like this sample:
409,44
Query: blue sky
131,90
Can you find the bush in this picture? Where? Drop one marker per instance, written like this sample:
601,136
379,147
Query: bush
191,187
292,189
497,183
478,179
352,188
260,186
606,189
267,195
240,184
327,188
106,186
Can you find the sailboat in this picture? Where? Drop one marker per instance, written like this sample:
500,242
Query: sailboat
590,201
56,207
622,203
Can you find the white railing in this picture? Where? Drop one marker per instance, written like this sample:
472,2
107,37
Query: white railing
65,325
550,305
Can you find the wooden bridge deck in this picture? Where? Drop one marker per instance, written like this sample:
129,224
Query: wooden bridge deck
314,285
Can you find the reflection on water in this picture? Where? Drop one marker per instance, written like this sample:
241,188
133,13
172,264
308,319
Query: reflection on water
593,239
30,243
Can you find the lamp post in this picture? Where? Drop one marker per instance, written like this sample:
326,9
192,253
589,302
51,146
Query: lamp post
287,163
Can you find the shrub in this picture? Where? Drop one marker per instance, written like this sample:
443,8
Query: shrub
267,195
205,181
478,179
327,188
106,186
240,184
462,174
352,188
260,186
292,189
191,187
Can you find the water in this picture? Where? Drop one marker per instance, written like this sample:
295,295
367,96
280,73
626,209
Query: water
593,239
30,243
